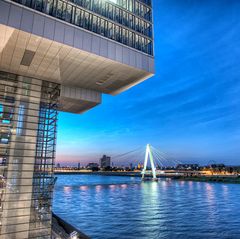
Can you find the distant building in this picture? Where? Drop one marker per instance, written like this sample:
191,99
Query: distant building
217,165
187,166
105,161
58,165
139,166
93,166
130,166
79,165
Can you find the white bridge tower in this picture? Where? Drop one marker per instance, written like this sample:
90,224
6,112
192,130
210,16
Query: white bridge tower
149,155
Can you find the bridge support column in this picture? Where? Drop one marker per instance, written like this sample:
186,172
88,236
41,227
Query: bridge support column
149,155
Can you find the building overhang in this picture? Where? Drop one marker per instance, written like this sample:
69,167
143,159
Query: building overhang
78,100
52,50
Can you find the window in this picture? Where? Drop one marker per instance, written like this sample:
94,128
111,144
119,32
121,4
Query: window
149,47
95,5
130,5
48,8
117,15
59,9
131,21
6,114
124,36
78,2
131,41
137,24
81,20
86,4
141,26
77,16
137,8
110,30
102,27
147,14
142,11
4,136
103,6
86,20
1,112
118,33
125,18
68,13
148,30
137,42
94,23
38,5
124,4
20,120
110,11
64,10
26,87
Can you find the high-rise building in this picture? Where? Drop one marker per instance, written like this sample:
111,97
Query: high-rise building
58,55
131,166
105,161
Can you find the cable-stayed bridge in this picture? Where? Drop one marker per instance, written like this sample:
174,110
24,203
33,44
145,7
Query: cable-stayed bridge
153,160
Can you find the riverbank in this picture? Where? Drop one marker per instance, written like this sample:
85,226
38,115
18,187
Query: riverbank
213,178
200,178
103,173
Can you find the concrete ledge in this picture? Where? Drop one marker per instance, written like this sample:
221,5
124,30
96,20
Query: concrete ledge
63,230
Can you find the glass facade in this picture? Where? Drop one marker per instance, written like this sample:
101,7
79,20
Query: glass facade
28,117
126,21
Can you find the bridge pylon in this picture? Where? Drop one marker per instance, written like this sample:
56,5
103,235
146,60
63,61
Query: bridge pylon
149,155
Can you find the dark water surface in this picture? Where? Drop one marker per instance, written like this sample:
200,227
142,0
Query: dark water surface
126,208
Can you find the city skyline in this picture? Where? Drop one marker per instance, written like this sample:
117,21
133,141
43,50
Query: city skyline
189,109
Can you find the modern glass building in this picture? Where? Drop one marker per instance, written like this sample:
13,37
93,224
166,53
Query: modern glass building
126,21
58,55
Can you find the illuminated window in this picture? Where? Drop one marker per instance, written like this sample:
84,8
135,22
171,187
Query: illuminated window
20,120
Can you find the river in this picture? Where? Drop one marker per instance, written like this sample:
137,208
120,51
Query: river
114,207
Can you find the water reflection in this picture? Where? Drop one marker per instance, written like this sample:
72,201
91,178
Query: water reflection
126,208
98,188
149,206
67,190
123,186
182,183
112,187
225,191
210,194
83,188
211,204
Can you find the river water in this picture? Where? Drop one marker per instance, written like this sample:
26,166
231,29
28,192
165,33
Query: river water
125,208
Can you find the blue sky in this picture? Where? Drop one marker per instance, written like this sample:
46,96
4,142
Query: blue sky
190,109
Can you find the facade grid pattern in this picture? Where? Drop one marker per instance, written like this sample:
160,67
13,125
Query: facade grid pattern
28,116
